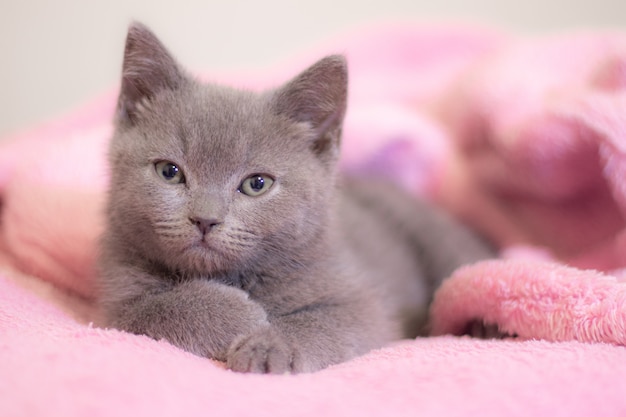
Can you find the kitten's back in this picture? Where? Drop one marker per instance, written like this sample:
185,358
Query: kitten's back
404,246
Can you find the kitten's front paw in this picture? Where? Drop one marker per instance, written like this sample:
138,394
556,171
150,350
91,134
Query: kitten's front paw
264,351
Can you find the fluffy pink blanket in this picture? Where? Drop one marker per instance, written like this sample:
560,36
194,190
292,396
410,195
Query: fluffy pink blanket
524,139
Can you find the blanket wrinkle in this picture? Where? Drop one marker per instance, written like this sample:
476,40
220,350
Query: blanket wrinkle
524,139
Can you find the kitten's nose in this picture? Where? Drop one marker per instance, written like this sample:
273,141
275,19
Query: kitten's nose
205,225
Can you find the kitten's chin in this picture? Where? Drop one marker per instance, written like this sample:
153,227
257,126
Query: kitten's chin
203,258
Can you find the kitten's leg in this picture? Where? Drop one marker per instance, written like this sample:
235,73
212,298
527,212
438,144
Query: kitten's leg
481,330
309,339
199,316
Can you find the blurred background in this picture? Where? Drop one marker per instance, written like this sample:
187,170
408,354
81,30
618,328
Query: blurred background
57,54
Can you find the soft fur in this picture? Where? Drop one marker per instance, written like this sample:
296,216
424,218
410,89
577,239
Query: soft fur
312,272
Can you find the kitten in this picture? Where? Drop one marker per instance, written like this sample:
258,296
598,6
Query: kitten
230,234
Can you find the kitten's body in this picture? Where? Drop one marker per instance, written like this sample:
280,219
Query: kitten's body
310,272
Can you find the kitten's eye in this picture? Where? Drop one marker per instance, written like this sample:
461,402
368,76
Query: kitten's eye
170,172
256,184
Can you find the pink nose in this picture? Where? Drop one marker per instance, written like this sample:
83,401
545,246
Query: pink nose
205,225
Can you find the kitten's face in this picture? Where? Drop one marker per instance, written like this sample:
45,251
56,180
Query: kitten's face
208,179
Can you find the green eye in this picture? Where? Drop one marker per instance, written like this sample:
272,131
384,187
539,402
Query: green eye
256,184
170,172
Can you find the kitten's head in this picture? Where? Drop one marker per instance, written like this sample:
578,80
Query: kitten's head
207,178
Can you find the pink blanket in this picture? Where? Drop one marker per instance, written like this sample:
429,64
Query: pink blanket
524,139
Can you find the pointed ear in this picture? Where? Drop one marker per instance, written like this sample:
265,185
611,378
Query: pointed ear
318,96
148,68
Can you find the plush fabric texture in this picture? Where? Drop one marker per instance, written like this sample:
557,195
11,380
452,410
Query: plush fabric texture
522,138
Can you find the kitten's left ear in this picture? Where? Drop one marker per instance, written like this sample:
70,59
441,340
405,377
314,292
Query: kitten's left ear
318,96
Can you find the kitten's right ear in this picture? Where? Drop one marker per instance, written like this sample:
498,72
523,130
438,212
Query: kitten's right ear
148,68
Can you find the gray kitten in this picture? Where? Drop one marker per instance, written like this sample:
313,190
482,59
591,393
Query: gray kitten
231,235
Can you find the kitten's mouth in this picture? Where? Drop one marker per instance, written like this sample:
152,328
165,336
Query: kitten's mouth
202,249
203,243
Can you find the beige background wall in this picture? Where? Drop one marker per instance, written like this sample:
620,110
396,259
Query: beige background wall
54,54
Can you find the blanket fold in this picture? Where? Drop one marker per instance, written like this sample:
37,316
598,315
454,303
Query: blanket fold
534,300
541,127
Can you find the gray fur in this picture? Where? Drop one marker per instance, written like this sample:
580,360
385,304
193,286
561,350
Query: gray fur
315,271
